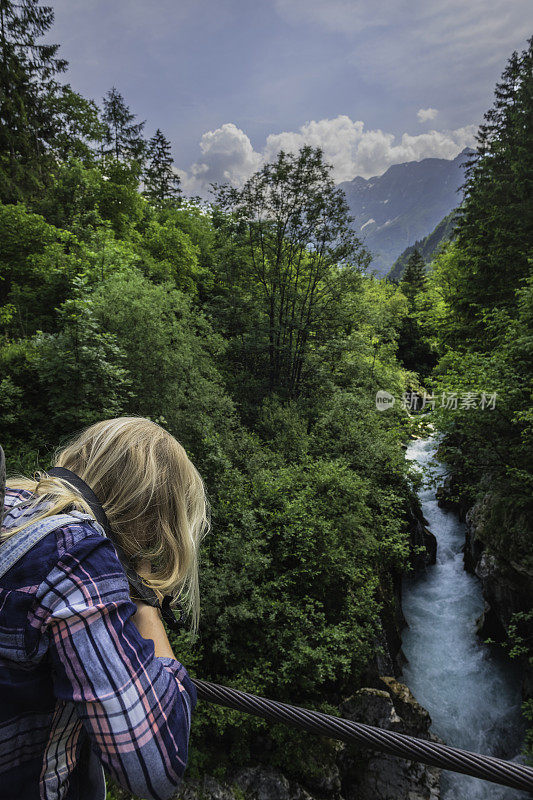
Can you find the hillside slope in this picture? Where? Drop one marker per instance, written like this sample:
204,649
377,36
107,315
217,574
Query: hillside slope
427,247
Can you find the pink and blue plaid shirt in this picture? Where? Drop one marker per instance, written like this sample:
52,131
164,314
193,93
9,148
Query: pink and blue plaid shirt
79,686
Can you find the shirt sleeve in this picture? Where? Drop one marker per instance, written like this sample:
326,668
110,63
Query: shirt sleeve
136,707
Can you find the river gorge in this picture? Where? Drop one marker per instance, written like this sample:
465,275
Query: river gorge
471,691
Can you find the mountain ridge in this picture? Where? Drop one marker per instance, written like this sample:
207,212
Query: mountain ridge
403,205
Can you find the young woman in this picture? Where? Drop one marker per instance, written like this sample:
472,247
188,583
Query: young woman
88,677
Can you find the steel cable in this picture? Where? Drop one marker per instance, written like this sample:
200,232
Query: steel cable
496,770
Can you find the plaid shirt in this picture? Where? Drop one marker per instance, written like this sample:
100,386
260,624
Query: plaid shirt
79,686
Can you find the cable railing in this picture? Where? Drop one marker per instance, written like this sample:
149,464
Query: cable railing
488,768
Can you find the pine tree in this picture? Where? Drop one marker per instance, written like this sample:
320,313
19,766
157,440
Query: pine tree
27,128
122,137
160,181
414,277
494,225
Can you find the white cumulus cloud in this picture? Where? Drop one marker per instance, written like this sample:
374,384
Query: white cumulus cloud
227,153
227,156
424,114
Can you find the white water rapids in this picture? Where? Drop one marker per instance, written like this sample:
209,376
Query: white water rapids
471,691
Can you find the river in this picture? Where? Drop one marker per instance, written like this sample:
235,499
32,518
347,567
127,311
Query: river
471,691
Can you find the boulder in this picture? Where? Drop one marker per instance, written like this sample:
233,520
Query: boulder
422,543
251,783
473,545
208,789
507,586
371,775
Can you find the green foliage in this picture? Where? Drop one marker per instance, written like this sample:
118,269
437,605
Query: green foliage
118,199
414,276
83,196
78,129
294,602
420,336
486,287
293,226
495,443
493,229
80,368
520,645
170,254
26,85
42,121
37,264
169,349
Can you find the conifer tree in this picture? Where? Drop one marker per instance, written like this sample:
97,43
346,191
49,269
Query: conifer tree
122,137
160,181
27,68
494,224
414,277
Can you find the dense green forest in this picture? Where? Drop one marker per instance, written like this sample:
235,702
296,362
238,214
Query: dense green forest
249,328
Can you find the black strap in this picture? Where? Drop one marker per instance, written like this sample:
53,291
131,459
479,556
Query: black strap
142,592
2,483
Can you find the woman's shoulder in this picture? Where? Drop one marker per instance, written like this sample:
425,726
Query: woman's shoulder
83,566
21,508
68,538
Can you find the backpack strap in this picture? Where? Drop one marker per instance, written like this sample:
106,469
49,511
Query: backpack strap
2,482
16,546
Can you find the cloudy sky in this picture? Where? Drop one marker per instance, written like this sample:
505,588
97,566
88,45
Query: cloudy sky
230,82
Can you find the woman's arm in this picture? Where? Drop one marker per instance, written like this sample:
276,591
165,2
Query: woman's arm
148,619
148,622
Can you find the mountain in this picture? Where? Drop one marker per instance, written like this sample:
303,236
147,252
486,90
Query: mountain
427,247
393,210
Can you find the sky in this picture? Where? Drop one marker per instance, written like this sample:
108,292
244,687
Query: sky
231,82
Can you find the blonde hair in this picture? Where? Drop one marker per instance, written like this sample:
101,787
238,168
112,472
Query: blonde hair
152,494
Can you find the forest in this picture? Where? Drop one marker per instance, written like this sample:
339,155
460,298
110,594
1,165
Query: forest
251,328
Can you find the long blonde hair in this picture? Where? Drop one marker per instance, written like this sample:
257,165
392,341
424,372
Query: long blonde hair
152,494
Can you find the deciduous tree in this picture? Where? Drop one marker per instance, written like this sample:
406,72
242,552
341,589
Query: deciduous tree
295,227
